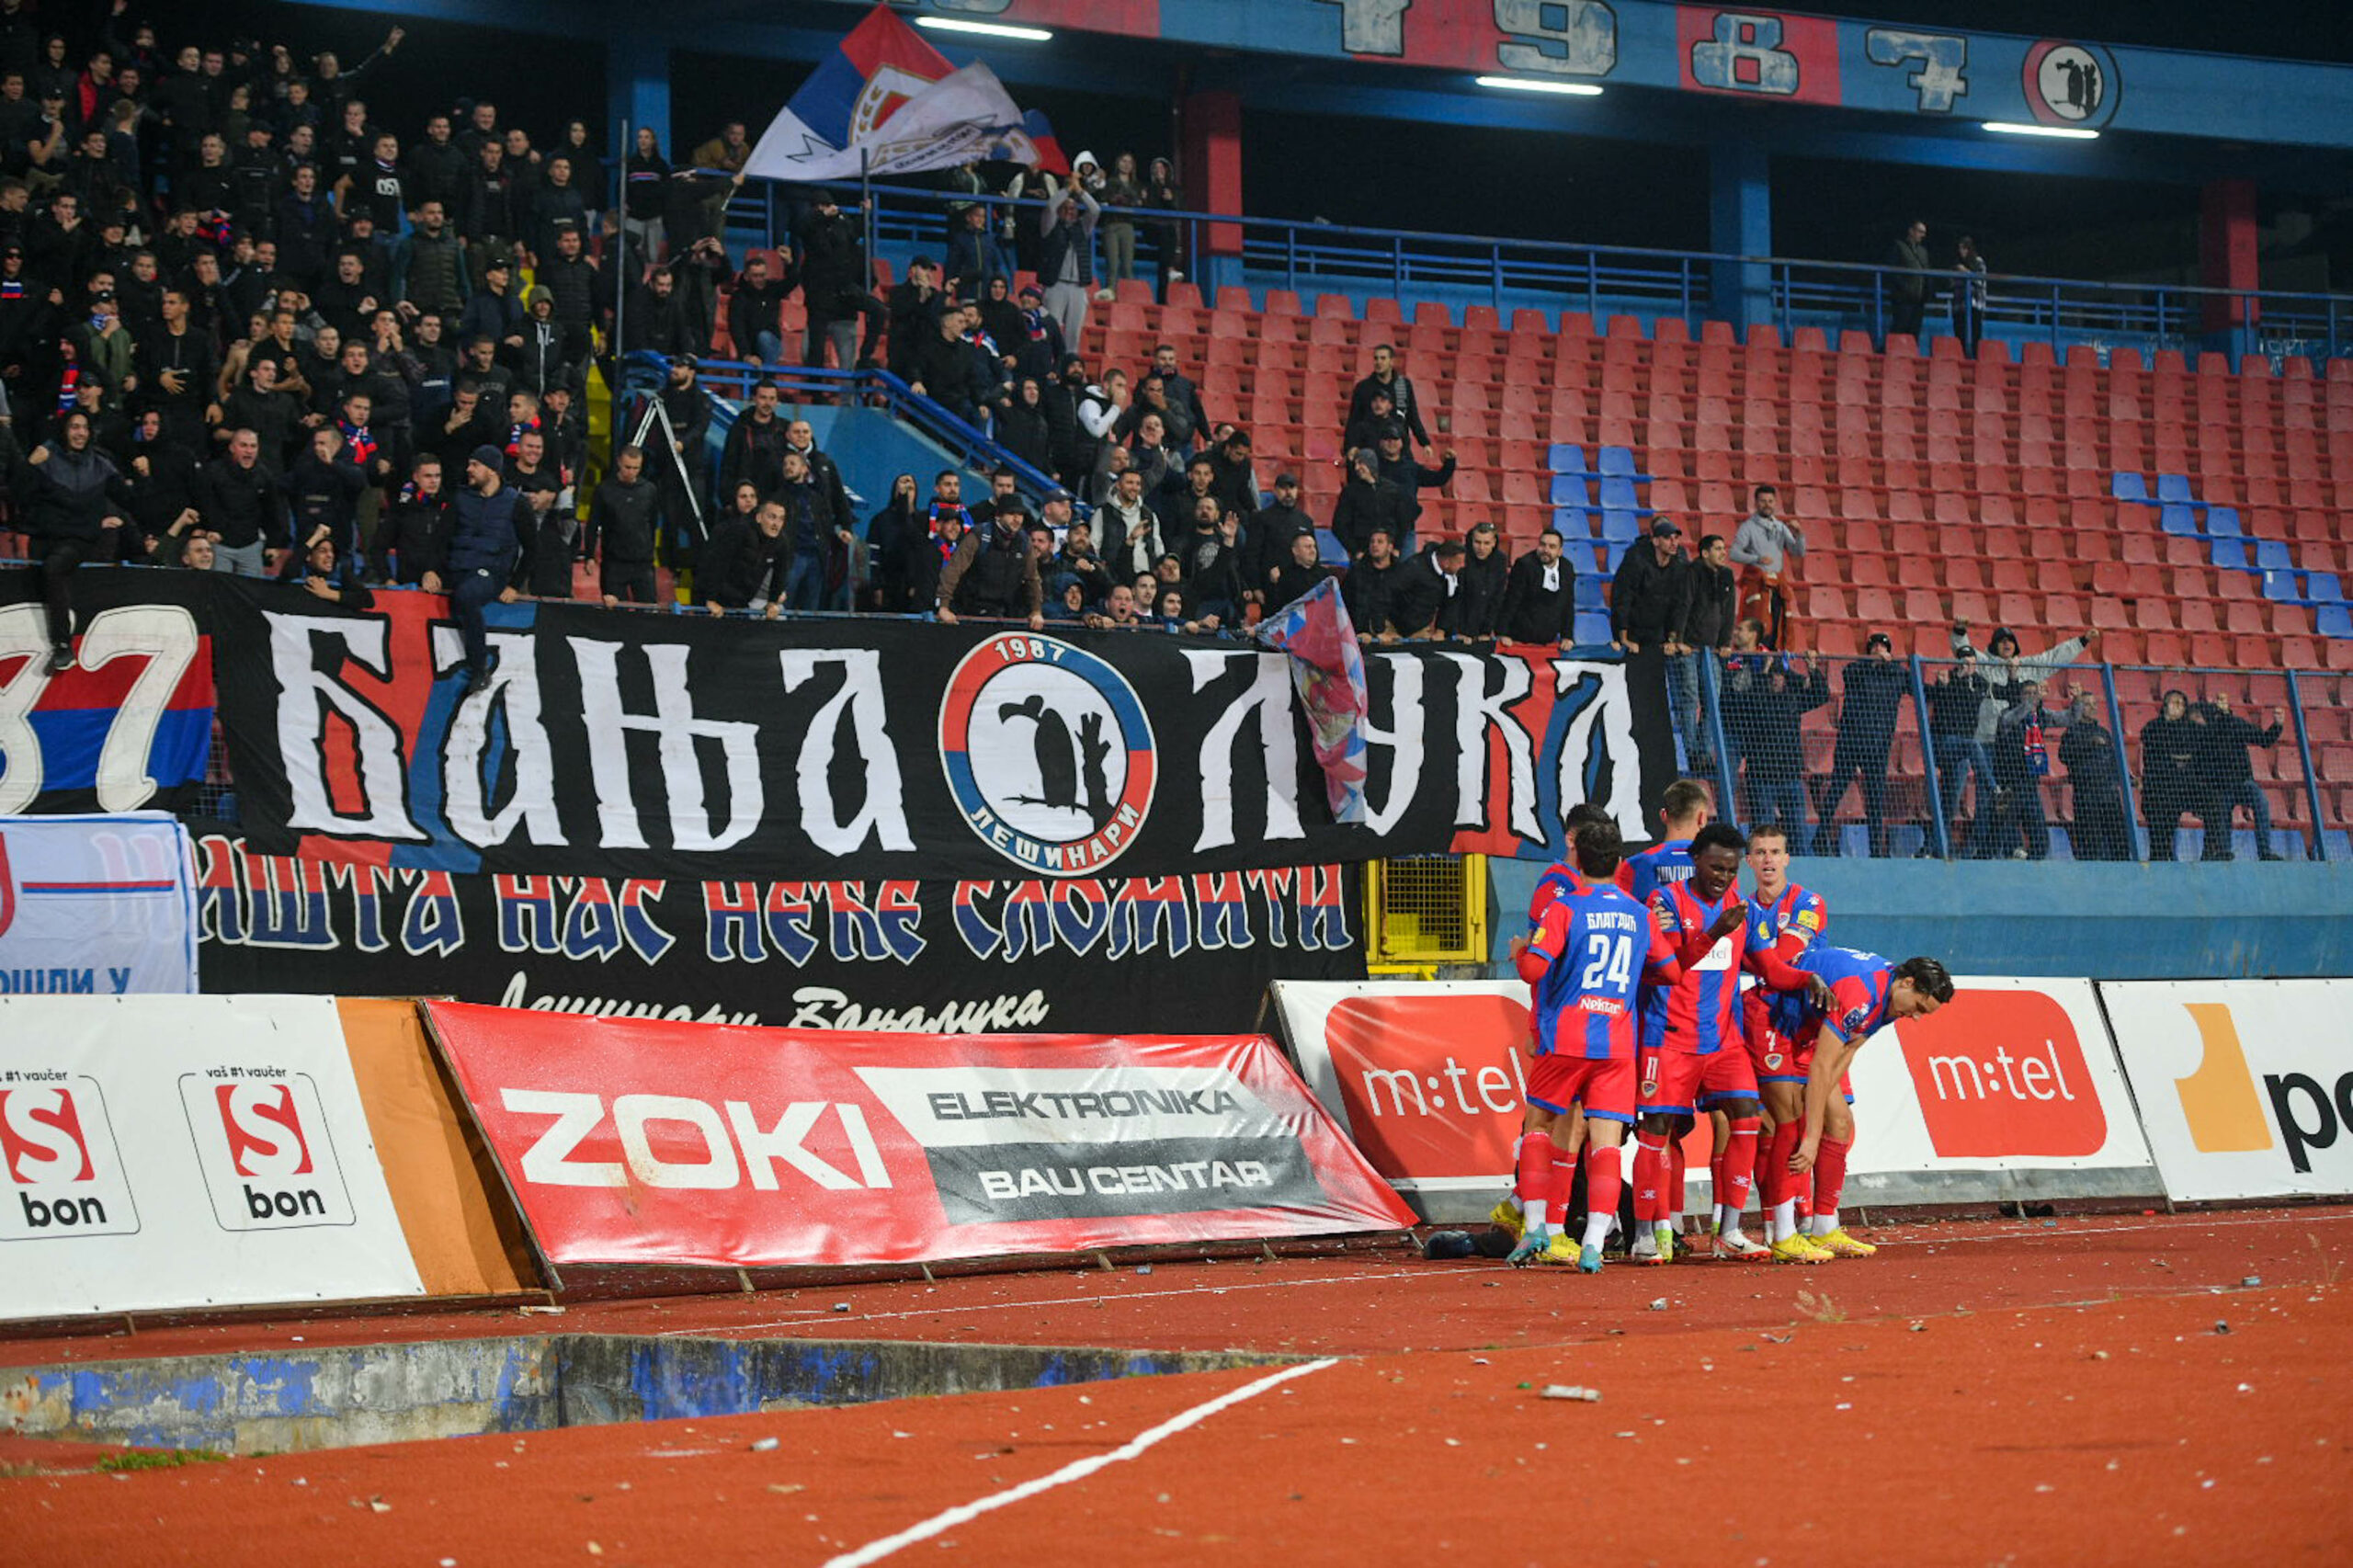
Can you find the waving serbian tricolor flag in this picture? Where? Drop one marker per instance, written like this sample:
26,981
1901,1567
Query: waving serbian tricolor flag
885,102
1327,671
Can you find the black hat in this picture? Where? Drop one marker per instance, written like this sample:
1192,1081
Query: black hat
1665,529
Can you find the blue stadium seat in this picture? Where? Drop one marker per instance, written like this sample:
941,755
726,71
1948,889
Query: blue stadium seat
2130,487
2180,520
1621,528
2322,587
1588,594
1568,490
1575,523
1592,627
2271,555
1329,551
1616,550
2333,620
1617,496
2231,554
2174,487
2223,520
2284,586
1566,459
1618,462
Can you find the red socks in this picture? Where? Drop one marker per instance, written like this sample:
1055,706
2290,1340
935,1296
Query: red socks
1739,1164
1534,1178
1650,1174
1829,1175
1774,1183
1604,1178
1677,1158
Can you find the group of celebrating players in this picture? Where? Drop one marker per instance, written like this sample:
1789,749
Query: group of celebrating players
1640,1022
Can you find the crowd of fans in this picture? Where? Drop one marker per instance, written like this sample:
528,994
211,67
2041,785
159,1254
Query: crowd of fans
247,326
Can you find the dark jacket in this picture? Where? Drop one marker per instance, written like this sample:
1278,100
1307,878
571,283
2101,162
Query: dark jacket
2171,750
1371,594
1773,749
1875,690
1406,405
755,451
623,521
2094,766
833,263
1953,702
1291,580
1709,612
993,572
74,491
486,532
2226,739
417,536
1533,613
241,505
741,564
1645,596
1478,606
1271,530
1422,601
1364,506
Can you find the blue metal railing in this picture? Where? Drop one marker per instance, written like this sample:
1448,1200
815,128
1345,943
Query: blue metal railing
723,380
1504,274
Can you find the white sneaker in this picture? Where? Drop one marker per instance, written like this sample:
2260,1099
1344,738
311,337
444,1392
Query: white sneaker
1739,1247
1105,296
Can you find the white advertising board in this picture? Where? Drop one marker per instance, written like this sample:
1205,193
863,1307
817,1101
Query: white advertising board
181,1152
2245,1086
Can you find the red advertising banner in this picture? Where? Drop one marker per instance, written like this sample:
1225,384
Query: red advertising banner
646,1140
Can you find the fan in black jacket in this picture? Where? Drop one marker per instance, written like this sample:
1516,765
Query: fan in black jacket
1540,595
1479,600
1426,591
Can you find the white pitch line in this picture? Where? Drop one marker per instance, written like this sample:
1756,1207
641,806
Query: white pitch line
1078,1470
1073,1301
2177,1222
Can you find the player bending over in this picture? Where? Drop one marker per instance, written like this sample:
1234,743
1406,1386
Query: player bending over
1582,962
1867,994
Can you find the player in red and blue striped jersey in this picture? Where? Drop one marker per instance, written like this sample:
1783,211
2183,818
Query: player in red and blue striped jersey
1865,993
1584,962
1561,876
1788,919
1686,807
1692,1050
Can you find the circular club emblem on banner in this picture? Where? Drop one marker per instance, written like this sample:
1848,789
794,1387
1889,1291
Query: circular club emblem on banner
2070,84
1048,753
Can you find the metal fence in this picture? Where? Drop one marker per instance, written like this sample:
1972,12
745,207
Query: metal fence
1504,274
2025,758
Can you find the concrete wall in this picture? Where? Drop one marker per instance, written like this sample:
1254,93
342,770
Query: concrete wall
2182,920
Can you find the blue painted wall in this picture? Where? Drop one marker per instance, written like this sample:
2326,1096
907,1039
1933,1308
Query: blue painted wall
2106,922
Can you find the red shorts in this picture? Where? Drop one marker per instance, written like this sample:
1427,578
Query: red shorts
1779,1058
1675,1081
1773,1056
1605,1085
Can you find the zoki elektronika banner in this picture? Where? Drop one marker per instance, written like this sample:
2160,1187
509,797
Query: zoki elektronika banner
639,1141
